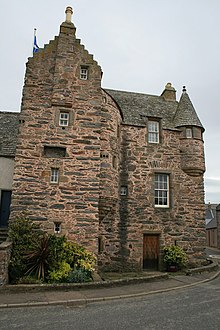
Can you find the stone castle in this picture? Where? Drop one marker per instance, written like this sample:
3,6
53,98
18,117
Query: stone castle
121,173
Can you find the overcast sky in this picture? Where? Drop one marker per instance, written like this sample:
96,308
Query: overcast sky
140,45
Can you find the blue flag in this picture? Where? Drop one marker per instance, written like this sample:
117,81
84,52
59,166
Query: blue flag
35,46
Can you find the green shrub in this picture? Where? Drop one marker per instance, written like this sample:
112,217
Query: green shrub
78,275
23,233
74,264
78,257
60,274
175,255
46,257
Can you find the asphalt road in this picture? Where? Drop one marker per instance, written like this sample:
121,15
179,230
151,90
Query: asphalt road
186,309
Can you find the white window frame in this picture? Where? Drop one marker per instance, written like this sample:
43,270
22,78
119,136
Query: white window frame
189,133
57,227
153,131
161,190
64,119
54,175
83,73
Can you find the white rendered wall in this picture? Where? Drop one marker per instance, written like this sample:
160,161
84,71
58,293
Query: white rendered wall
6,173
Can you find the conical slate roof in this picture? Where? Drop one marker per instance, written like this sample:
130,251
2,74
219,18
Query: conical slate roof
185,114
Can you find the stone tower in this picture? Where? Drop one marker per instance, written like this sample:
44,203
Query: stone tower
56,179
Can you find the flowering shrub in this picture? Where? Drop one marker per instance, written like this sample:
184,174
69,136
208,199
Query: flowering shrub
175,255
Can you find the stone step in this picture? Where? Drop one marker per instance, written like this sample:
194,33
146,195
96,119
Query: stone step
3,234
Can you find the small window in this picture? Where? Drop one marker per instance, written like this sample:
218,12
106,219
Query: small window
197,133
100,245
189,134
118,130
57,227
54,175
161,190
64,119
54,152
84,73
153,131
103,154
124,191
114,162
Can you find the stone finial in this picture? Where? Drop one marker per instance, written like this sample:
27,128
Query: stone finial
69,12
184,89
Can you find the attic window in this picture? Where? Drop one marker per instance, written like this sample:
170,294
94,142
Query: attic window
54,152
84,73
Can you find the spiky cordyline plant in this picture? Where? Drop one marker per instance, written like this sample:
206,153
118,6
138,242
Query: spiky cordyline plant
38,257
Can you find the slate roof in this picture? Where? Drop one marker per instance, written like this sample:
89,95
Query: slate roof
8,133
210,216
136,106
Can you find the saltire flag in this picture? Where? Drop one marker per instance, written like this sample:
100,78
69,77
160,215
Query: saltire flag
35,46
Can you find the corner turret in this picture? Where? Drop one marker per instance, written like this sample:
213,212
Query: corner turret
192,149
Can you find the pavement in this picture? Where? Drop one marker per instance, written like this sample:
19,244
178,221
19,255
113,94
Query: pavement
82,294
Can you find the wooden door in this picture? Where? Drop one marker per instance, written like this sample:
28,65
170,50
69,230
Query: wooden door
150,251
5,207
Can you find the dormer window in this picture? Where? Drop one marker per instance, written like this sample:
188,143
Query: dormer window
153,131
84,73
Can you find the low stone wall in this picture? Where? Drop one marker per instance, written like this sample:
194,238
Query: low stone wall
5,253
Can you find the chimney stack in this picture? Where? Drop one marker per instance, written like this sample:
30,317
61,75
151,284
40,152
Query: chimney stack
169,93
